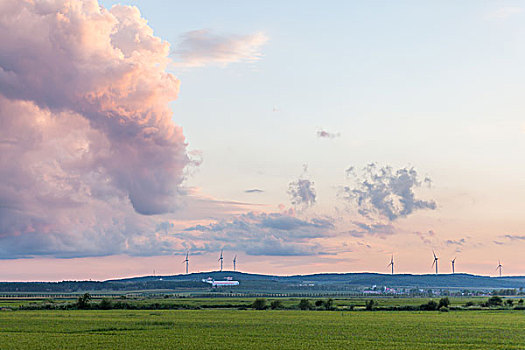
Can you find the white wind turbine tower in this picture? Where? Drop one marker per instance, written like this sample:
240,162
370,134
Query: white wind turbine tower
453,261
234,263
391,263
435,262
187,260
221,259
499,267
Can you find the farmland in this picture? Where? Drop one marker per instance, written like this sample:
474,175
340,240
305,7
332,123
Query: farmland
271,329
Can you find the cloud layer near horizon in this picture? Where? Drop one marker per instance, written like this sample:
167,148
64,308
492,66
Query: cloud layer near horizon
88,148
273,234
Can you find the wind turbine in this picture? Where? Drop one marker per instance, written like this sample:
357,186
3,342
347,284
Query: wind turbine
453,261
221,259
435,262
499,267
234,262
186,261
391,263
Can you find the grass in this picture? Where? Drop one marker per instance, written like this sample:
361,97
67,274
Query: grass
236,329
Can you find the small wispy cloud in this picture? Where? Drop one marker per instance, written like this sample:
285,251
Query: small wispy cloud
327,135
375,229
426,237
200,48
504,12
254,190
302,192
457,242
515,237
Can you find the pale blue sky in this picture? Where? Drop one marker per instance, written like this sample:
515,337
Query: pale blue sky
434,85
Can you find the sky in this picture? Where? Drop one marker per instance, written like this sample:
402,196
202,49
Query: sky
299,136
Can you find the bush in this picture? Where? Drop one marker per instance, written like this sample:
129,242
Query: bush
105,304
430,306
443,302
509,302
259,304
83,301
370,305
305,304
443,309
319,302
329,304
494,301
276,304
520,302
469,304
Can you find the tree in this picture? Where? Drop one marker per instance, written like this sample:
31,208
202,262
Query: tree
259,304
83,301
509,302
520,302
443,302
106,304
305,304
370,305
430,306
494,301
329,304
319,302
276,304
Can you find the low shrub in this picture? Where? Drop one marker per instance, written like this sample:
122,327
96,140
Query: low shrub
276,304
305,304
259,304
430,306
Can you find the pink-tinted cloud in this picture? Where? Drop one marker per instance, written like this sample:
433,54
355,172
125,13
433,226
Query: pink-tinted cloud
202,47
88,148
74,56
327,134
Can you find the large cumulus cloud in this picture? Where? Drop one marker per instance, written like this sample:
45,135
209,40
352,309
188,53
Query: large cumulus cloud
107,66
88,148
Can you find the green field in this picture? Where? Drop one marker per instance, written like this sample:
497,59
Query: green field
237,329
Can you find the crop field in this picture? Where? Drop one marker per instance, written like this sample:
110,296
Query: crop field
271,329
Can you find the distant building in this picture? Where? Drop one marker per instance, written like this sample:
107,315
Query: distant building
228,282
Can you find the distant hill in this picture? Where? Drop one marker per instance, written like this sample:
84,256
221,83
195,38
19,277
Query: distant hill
458,280
332,282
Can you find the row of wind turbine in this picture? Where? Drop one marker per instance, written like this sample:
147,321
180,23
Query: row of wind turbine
221,259
435,264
